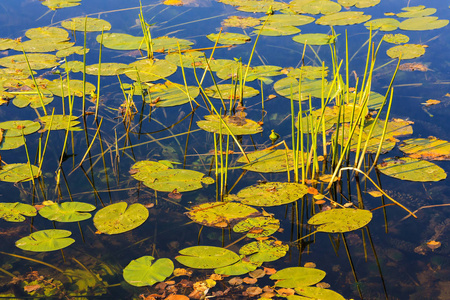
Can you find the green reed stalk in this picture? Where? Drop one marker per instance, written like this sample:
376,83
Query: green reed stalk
184,77
41,99
29,161
146,31
216,161
84,70
97,100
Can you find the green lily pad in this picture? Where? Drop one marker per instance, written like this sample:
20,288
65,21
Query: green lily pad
239,268
258,227
57,4
316,39
276,30
257,72
297,276
272,193
88,24
220,214
67,211
358,3
343,18
423,23
179,179
288,19
289,86
121,41
150,70
206,257
416,12
237,125
240,22
256,5
16,212
267,161
406,168
228,38
171,94
47,32
107,69
142,272
117,218
6,44
308,72
37,61
33,101
142,170
315,7
18,172
264,251
58,87
341,220
313,292
60,122
397,38
430,148
12,142
17,128
43,45
165,43
46,240
71,50
190,59
406,51
383,24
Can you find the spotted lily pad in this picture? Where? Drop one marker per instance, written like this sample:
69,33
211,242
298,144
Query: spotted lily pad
264,251
237,125
343,18
430,148
88,24
17,128
289,86
228,38
406,168
341,220
272,193
406,51
60,122
297,276
313,292
117,218
46,240
144,272
258,227
16,212
54,33
241,22
206,257
18,172
288,19
142,170
397,38
383,24
150,70
220,214
313,39
171,94
107,69
308,72
180,179
67,211
423,23
37,61
71,50
267,161
165,43
256,5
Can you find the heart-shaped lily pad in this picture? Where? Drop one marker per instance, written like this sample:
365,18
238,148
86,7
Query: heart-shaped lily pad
46,240
171,94
18,172
67,211
34,101
406,168
15,212
237,125
313,292
297,276
272,193
206,257
143,272
258,227
406,51
117,218
230,91
313,39
264,251
180,179
341,220
121,41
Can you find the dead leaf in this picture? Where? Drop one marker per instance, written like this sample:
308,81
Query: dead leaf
269,271
310,265
253,291
249,280
235,281
431,102
181,272
375,194
258,273
286,292
433,245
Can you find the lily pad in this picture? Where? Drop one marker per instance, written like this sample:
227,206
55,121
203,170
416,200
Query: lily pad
37,61
272,193
316,39
17,128
58,87
16,212
12,142
86,23
33,101
297,276
430,148
107,69
239,268
343,18
60,122
121,41
53,33
341,220
241,22
358,3
171,94
206,257
289,86
117,218
383,24
267,161
142,170
190,59
397,38
228,38
416,11
143,272
313,292
276,30
57,4
150,70
308,72
220,214
315,7
237,125
18,172
165,43
288,19
406,51
423,23
258,227
72,50
46,240
67,211
264,251
406,168
230,91
180,179
256,5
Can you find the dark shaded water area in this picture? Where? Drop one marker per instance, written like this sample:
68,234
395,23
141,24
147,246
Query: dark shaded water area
410,269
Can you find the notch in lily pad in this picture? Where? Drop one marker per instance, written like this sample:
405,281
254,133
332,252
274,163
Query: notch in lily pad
144,272
67,211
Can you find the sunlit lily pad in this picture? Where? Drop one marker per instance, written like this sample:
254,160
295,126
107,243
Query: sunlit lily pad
37,61
256,5
267,161
58,87
241,22
258,227
358,3
257,72
71,50
60,122
297,276
11,142
46,240
272,193
180,179
206,257
18,172
287,19
171,94
150,70
6,44
165,43
190,59
315,7
121,41
86,23
57,4
42,45
341,220
383,24
289,86
47,32
228,38
416,11
107,69
313,292
239,268
313,39
406,51
264,251
117,218
220,214
67,211
16,212
276,29
343,18
17,128
144,272
142,170
308,72
237,125
430,148
33,101
423,23
397,38
406,168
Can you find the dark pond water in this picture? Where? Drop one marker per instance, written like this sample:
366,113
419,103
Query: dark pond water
411,260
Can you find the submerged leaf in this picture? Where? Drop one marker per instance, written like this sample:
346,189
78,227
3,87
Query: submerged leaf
144,272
